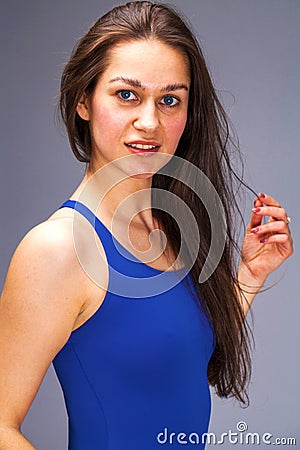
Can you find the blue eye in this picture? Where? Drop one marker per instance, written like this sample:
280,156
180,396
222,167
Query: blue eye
169,100
126,95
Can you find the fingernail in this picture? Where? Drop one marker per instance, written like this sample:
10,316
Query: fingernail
263,240
254,230
256,210
262,195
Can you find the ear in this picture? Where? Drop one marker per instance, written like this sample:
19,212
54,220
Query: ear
83,108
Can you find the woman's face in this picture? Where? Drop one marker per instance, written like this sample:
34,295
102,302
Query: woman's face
139,106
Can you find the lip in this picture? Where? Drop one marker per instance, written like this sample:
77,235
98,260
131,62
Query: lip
142,152
154,143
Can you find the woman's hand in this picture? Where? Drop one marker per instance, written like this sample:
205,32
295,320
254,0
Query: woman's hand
266,245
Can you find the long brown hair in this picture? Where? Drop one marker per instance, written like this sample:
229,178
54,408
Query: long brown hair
205,142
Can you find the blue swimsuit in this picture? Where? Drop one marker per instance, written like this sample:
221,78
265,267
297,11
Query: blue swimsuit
134,375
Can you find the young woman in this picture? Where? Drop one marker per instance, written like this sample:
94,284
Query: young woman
112,287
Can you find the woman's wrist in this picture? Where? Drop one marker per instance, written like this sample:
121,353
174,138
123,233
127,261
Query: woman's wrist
247,279
248,286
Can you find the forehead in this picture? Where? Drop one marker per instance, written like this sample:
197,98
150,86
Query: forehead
150,61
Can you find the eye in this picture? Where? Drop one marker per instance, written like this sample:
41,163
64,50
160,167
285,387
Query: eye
170,101
126,95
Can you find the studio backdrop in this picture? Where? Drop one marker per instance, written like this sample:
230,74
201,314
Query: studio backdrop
252,49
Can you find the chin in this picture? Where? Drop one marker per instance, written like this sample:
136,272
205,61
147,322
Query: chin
138,171
141,176
141,167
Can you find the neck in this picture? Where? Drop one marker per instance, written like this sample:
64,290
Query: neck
129,197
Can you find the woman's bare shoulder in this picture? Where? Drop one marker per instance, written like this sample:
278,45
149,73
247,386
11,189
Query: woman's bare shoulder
43,258
59,265
49,250
47,242
59,238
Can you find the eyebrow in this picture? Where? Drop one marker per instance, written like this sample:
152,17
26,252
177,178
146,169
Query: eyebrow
138,84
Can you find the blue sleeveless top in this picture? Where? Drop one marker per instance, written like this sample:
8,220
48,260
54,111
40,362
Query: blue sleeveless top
134,375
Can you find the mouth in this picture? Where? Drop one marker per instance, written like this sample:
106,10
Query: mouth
143,148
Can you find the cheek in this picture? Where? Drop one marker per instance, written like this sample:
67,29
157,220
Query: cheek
107,124
175,128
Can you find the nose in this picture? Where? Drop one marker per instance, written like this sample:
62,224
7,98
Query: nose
147,118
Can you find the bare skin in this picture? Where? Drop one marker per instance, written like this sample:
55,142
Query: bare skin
47,293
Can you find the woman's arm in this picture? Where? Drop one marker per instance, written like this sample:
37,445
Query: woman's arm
266,246
41,300
11,438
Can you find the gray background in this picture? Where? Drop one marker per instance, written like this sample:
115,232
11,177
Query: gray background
252,48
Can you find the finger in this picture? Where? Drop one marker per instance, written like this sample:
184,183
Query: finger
268,200
276,239
278,226
257,203
276,213
255,219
